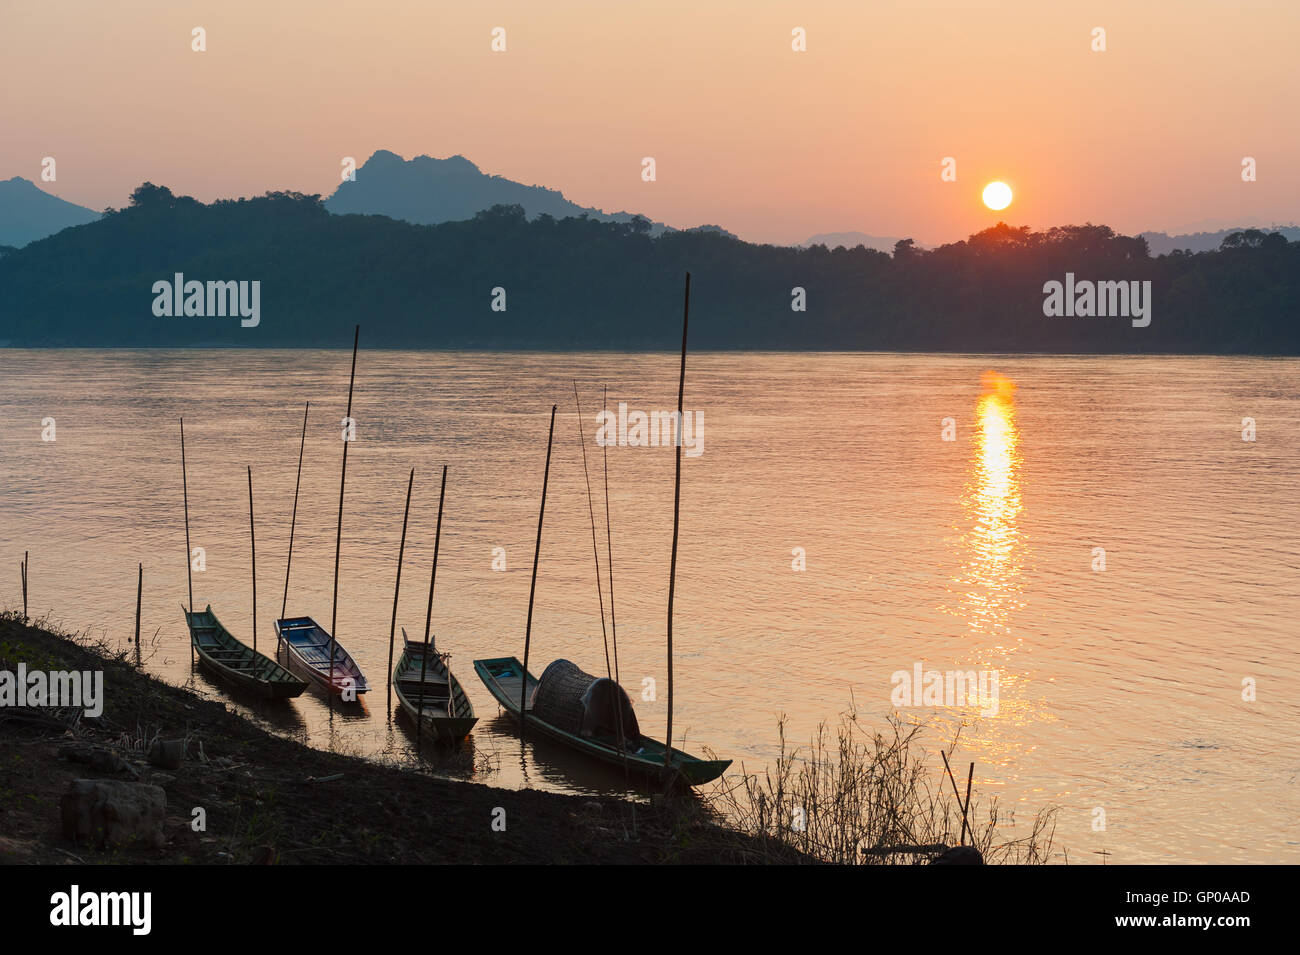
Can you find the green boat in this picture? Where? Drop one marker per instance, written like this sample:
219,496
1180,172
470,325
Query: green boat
592,715
430,693
237,663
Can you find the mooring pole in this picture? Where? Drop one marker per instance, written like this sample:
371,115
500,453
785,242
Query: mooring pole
139,593
595,551
609,547
252,537
428,614
338,540
293,521
677,501
532,587
189,572
392,630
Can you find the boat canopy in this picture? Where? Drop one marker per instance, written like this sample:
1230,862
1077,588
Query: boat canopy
585,705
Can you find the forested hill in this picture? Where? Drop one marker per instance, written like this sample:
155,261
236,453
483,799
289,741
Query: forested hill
579,283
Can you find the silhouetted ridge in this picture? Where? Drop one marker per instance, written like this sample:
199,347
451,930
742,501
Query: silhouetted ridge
584,283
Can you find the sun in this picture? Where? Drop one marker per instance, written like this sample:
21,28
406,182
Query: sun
997,195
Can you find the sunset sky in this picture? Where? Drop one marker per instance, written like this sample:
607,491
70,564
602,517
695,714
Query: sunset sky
769,143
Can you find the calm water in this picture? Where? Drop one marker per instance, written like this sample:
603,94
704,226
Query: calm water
1119,689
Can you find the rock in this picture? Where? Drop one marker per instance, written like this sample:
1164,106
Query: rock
167,753
109,812
959,855
103,760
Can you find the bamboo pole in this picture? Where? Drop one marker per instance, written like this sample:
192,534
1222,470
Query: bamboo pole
139,593
252,537
595,551
677,500
970,778
401,550
613,631
609,549
26,557
532,588
964,805
189,571
338,539
428,614
293,523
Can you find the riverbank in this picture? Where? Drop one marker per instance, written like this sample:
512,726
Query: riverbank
270,800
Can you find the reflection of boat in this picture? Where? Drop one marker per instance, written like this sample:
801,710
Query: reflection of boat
430,693
584,713
304,646
237,663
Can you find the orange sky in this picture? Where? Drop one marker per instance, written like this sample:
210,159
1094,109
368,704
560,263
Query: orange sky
771,144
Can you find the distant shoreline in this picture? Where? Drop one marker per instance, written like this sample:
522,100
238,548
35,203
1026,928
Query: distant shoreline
488,350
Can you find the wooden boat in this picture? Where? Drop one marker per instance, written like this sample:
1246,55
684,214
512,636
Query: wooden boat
237,663
304,647
446,711
641,755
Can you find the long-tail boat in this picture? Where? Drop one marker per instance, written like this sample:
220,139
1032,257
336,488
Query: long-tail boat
304,647
238,664
584,712
430,694
594,714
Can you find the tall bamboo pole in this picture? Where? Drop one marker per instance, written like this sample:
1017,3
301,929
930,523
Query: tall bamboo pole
401,550
677,500
595,551
609,548
252,538
189,573
293,521
338,539
428,614
139,593
532,588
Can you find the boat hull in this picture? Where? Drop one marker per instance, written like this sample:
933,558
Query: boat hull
502,677
237,664
302,645
442,688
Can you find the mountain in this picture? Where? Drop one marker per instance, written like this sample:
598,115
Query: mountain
500,280
851,240
28,213
428,191
1162,243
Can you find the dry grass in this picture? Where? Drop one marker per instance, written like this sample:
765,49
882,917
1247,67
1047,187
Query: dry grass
868,797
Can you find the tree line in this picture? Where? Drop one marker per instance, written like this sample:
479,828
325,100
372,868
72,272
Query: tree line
500,280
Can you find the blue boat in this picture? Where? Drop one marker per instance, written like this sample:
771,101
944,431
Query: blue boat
303,646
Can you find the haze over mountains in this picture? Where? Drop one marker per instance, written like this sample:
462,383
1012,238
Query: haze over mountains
428,191
1161,243
28,213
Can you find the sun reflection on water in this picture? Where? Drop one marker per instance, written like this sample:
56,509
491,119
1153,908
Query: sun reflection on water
991,502
987,589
